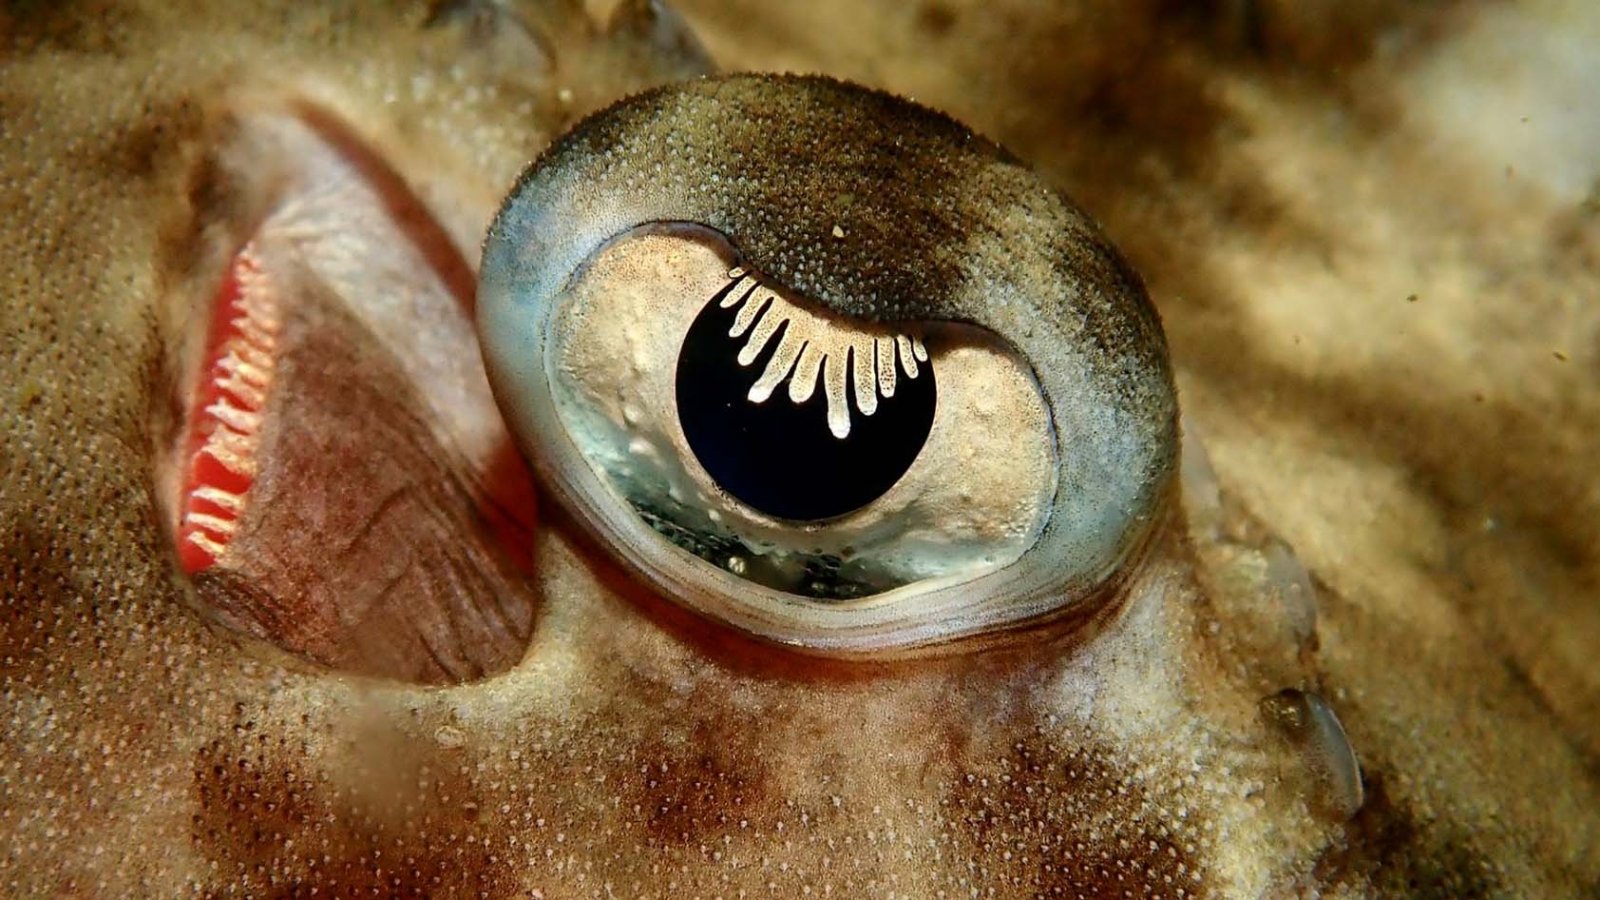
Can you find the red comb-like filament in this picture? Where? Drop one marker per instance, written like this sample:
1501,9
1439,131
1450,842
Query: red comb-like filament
225,424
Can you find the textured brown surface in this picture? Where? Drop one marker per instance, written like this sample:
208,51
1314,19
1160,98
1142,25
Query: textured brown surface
1382,324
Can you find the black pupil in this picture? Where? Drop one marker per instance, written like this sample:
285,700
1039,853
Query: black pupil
778,456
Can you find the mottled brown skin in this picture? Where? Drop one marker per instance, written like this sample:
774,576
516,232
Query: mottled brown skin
636,751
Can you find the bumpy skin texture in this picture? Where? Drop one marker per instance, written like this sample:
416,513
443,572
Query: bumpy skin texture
1282,187
884,211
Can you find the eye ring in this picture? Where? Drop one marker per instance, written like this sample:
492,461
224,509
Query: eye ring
885,211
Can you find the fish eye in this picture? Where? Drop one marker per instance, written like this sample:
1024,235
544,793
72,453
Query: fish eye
790,446
822,365
836,446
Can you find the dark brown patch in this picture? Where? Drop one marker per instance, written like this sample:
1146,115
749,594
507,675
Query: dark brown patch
211,216
936,19
80,26
694,768
147,146
37,584
274,826
686,792
1048,820
1322,38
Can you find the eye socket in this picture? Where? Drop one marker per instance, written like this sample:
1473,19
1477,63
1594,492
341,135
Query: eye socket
676,305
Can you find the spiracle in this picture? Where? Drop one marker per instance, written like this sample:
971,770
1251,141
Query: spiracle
825,366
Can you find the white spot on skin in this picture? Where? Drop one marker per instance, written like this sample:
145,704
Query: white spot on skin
449,736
